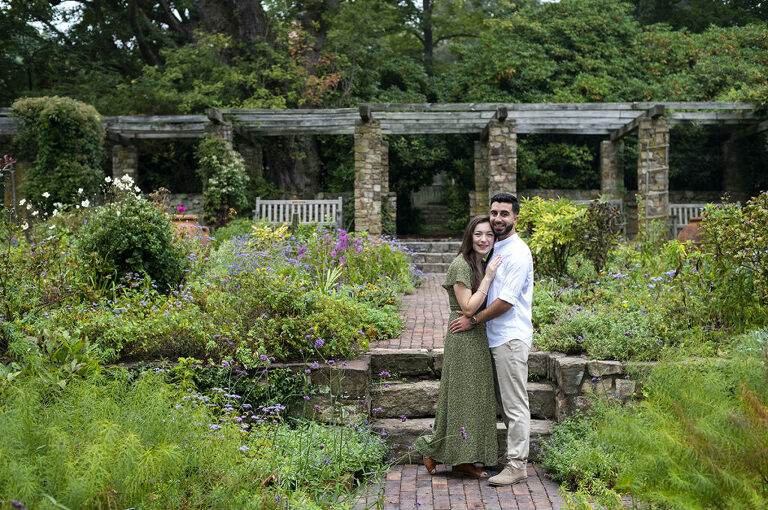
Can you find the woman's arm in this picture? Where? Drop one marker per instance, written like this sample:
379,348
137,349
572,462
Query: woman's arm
469,302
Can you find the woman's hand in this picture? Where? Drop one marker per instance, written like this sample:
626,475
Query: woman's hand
493,265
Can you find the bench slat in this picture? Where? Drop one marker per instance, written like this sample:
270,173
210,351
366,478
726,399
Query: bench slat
323,212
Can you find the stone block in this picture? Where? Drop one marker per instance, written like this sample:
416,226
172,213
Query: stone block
541,400
551,364
410,399
538,364
625,388
349,379
598,368
400,362
569,372
598,386
327,408
565,405
436,358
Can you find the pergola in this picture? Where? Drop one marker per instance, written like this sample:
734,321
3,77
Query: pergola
497,125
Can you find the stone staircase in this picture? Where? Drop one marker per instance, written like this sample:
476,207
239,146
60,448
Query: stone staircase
409,390
433,256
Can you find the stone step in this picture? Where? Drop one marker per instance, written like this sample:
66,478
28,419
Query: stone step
431,246
434,268
433,258
418,399
400,436
424,363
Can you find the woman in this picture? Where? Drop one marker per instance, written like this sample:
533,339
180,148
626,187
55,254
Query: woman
465,422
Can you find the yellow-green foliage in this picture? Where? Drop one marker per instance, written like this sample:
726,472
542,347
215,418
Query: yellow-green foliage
547,226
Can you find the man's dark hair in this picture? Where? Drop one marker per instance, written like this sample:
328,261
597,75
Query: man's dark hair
507,199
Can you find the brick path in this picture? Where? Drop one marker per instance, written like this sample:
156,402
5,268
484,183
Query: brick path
410,486
426,317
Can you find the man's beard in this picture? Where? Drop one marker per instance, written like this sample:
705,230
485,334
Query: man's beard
507,230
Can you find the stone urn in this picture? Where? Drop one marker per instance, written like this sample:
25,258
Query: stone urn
692,232
187,225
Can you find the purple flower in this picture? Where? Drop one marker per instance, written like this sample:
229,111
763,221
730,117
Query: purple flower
244,449
214,427
18,504
224,364
319,343
383,373
307,371
383,433
306,397
263,357
403,417
463,433
321,446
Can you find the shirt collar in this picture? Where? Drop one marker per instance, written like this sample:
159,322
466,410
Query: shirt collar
508,240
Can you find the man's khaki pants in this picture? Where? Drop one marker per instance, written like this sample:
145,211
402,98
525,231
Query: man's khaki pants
510,364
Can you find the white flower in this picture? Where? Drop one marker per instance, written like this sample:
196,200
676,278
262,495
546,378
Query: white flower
54,213
85,203
52,226
29,207
24,226
79,191
58,205
35,213
137,189
107,179
22,201
46,195
117,213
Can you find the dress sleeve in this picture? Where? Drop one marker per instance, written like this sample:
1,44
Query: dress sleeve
458,271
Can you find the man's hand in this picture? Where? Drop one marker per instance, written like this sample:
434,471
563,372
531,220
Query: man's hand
460,324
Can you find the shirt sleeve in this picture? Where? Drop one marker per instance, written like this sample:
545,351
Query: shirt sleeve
515,277
458,271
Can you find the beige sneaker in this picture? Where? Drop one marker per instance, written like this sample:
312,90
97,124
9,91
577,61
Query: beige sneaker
508,476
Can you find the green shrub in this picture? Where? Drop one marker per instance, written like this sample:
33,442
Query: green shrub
547,226
225,180
132,236
735,241
599,232
66,138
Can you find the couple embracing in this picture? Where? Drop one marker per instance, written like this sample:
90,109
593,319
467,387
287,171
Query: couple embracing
486,351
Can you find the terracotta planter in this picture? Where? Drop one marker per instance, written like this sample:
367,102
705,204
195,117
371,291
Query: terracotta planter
186,225
692,232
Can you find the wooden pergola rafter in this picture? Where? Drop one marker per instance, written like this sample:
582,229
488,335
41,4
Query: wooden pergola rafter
497,124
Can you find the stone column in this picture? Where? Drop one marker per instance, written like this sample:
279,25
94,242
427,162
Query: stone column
733,180
502,157
125,161
653,172
478,199
222,130
369,160
609,168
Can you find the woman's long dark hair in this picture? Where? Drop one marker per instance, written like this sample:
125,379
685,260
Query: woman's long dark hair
474,259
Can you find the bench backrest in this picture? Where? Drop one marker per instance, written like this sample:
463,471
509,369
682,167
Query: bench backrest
323,212
680,215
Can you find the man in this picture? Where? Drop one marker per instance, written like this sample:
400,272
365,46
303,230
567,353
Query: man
510,331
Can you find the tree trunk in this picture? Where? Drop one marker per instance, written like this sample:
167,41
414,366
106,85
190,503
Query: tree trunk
244,20
292,164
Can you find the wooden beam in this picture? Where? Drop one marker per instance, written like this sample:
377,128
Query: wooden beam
760,127
653,112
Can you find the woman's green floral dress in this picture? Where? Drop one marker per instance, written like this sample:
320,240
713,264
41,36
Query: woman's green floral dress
465,421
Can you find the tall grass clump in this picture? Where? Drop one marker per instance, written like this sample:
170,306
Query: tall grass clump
109,441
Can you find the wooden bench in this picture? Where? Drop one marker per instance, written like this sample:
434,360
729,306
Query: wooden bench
680,215
322,212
